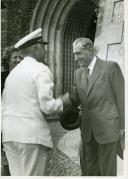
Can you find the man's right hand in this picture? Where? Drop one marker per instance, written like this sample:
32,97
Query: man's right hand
66,100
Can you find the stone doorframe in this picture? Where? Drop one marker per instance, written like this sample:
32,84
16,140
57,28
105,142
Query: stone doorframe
51,15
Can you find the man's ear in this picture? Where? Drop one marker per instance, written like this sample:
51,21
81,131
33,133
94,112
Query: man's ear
89,47
36,49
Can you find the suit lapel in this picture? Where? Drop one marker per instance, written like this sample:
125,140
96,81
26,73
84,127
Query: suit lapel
95,74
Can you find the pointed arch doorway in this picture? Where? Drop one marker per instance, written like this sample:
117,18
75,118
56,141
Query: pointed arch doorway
62,22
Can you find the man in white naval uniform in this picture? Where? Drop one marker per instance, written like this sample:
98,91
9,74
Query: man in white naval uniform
27,97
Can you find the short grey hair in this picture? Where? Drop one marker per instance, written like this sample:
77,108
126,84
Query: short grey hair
85,42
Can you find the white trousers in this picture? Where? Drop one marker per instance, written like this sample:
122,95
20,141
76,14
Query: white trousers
26,159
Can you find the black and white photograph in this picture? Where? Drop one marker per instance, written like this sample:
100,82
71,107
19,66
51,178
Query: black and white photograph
63,92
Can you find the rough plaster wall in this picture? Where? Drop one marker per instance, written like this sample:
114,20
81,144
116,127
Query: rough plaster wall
109,39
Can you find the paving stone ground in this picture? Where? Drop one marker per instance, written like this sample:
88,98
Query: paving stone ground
59,164
63,160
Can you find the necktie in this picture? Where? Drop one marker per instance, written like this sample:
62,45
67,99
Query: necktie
87,77
87,74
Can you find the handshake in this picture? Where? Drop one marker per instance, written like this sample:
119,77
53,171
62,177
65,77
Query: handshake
66,100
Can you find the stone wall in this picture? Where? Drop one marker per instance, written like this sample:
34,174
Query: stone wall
4,24
16,17
109,39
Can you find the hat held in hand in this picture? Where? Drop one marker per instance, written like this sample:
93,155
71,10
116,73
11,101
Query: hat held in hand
70,119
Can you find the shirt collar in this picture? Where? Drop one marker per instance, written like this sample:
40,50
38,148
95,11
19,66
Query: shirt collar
29,58
92,64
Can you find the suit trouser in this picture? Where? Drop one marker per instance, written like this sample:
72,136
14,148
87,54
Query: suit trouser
99,159
26,159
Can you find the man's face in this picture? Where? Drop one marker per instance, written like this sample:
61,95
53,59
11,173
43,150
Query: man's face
15,58
82,55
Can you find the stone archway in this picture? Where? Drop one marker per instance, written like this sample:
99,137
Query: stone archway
62,21
81,21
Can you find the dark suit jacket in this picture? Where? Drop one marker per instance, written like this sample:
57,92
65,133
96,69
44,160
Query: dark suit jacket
102,104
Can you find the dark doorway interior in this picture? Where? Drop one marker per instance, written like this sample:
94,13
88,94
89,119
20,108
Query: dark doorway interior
81,22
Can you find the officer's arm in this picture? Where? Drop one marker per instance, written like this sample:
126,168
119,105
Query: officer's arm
45,85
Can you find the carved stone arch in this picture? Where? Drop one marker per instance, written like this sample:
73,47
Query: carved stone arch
59,28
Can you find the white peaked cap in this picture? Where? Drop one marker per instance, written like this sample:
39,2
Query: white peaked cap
33,35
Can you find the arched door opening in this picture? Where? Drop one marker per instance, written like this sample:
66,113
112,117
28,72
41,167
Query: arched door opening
62,21
81,22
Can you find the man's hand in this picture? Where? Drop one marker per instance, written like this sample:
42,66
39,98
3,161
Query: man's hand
121,143
66,100
122,133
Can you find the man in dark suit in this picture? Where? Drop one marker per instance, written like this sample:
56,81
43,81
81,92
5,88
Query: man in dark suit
99,88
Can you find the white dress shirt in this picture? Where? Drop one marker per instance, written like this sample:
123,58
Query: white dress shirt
27,95
92,64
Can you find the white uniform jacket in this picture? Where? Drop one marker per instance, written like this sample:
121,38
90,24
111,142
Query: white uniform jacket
27,95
